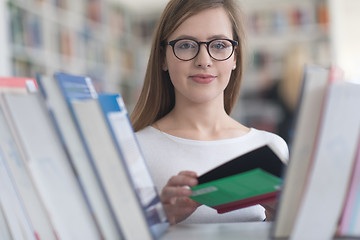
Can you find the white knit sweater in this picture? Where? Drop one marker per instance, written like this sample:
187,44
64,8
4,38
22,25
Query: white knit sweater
167,155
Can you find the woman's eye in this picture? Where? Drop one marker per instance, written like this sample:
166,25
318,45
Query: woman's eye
218,45
186,45
221,44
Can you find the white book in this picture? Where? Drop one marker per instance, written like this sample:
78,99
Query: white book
329,176
110,167
22,180
116,116
57,105
17,218
4,226
349,223
50,168
308,119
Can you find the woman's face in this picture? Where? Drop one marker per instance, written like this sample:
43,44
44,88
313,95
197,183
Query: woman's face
202,79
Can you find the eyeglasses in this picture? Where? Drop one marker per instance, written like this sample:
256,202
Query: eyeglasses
188,49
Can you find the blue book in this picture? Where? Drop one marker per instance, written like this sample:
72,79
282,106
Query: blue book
75,87
80,88
137,217
121,129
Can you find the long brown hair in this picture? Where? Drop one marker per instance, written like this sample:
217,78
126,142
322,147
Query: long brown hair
157,97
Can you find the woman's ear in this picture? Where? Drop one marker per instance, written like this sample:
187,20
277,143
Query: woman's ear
235,58
164,65
234,66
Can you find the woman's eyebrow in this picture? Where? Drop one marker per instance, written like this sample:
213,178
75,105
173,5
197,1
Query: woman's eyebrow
220,36
185,37
217,36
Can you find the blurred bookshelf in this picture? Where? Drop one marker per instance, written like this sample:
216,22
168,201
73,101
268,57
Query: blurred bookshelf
86,37
276,27
282,36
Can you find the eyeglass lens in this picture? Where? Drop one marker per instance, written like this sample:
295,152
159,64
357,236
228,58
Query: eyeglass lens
187,49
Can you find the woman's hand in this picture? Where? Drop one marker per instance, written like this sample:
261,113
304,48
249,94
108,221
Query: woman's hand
175,196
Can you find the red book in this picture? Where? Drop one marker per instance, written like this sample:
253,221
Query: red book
21,84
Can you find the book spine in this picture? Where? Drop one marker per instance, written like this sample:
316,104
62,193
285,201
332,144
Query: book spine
350,221
264,198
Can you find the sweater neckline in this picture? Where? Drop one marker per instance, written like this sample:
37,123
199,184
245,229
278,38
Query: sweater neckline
202,142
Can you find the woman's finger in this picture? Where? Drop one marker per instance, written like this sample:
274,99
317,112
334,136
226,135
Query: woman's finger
172,192
182,180
185,202
188,173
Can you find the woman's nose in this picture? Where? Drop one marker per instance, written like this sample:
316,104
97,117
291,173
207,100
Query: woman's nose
203,59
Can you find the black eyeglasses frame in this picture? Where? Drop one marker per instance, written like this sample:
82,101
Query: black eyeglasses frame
173,42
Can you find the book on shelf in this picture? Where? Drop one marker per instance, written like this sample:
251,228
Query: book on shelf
349,224
308,115
23,182
17,219
116,115
4,226
333,160
79,158
49,166
17,168
108,157
252,178
18,84
109,166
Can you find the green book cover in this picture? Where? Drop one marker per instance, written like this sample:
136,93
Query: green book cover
249,179
237,187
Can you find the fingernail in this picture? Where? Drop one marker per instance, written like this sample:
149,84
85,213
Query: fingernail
186,192
193,182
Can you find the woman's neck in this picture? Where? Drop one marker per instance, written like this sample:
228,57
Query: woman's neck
200,123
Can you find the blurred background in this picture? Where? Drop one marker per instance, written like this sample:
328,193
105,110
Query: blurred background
109,40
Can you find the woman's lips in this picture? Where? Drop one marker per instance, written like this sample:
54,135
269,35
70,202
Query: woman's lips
203,78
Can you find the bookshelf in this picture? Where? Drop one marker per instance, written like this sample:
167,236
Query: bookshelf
344,36
225,231
275,27
4,63
87,37
281,37
110,42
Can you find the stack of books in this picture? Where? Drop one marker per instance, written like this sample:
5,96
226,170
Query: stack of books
71,167
321,191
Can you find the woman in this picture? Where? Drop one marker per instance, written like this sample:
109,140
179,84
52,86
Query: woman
182,118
